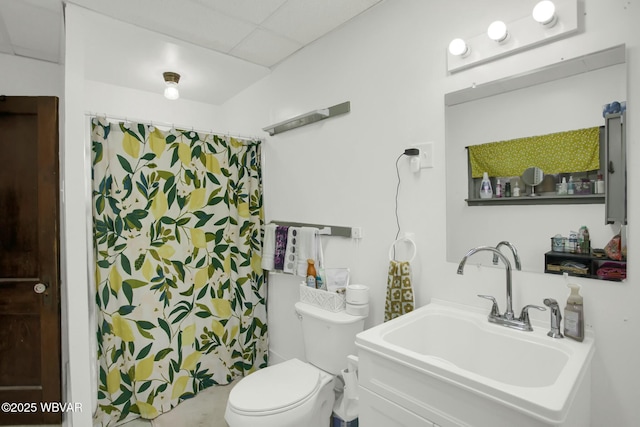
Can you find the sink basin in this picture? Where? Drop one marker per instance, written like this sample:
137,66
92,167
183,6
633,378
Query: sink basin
442,352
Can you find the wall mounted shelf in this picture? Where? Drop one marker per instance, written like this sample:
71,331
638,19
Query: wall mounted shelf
308,118
539,200
553,265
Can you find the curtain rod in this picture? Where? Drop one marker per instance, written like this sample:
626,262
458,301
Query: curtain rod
168,125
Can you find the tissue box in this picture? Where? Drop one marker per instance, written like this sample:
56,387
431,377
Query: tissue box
330,301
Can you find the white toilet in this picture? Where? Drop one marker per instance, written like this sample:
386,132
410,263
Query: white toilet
297,393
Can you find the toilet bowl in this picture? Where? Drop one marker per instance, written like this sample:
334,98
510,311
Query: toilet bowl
292,393
297,393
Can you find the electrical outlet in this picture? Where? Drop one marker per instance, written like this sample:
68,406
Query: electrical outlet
426,154
356,232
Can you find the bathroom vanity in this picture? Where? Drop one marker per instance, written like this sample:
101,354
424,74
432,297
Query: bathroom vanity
446,365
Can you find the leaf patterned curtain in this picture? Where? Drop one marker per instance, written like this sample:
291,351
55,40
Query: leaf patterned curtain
180,293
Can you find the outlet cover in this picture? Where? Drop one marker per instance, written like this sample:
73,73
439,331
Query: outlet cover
426,154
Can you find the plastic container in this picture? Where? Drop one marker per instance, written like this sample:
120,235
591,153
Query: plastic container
570,186
599,184
574,314
516,190
336,421
498,189
562,189
329,301
321,282
486,191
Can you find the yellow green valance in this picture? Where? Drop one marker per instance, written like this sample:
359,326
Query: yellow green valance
561,152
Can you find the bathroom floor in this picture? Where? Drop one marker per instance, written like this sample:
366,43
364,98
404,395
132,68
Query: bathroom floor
134,423
204,410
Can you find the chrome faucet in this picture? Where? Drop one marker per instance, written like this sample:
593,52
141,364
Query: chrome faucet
507,319
556,317
514,251
509,313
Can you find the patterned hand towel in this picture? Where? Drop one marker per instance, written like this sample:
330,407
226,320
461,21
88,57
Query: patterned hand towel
282,233
400,298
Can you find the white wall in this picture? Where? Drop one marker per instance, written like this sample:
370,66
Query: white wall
391,64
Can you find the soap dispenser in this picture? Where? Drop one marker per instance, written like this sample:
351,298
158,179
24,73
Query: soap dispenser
486,192
574,314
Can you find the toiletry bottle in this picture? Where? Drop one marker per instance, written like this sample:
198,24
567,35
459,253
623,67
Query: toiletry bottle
584,240
599,184
311,273
498,188
574,314
486,192
507,189
570,186
320,280
516,190
563,187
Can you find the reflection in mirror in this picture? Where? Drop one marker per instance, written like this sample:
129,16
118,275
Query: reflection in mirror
561,100
532,176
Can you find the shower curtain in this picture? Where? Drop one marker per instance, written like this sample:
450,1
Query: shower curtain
180,292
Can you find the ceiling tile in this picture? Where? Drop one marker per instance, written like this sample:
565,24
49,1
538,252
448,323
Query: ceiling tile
265,48
5,41
184,20
306,20
40,35
246,10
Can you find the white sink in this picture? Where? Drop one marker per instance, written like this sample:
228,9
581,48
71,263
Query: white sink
449,365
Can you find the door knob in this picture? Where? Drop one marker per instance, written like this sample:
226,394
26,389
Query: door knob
39,288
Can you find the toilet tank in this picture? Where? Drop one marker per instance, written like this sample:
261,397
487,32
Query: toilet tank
328,337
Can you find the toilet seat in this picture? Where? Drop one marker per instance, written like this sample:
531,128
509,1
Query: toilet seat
276,388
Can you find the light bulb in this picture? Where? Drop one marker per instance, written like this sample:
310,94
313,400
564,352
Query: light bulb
171,91
458,47
497,31
545,13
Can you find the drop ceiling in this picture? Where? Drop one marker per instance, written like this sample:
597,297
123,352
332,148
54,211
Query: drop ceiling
248,37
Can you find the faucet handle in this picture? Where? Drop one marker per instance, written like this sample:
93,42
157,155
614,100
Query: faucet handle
551,303
524,314
495,311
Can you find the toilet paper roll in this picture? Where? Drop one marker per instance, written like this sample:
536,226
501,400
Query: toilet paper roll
357,309
358,294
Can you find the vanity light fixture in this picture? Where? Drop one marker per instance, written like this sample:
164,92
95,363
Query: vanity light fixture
552,21
497,31
545,13
171,79
459,47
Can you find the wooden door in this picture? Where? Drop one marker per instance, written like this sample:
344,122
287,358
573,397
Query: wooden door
29,260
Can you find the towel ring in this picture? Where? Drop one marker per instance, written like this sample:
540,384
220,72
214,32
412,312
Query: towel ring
406,239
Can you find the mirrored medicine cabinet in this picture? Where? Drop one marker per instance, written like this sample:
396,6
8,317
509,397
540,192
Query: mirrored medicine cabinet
563,97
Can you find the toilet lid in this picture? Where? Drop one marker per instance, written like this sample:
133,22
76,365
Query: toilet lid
276,387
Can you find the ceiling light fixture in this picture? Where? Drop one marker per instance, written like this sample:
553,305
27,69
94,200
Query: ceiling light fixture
459,47
545,13
497,31
171,79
